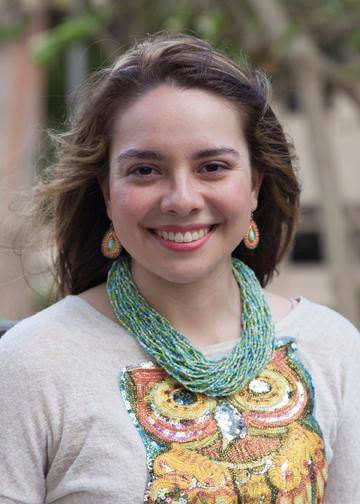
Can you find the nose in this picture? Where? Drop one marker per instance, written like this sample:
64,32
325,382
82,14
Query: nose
182,196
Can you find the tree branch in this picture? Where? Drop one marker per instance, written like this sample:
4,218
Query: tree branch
245,36
301,48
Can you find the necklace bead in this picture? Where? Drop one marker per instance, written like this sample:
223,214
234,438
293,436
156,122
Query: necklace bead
175,353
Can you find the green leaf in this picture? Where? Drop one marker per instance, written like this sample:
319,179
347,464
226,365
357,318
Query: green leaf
352,72
355,38
11,31
281,45
209,25
47,45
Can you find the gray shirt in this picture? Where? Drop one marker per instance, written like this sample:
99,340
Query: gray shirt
66,435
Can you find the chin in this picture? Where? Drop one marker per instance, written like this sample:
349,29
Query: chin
184,273
179,275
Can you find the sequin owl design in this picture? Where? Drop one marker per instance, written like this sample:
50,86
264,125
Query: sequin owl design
259,445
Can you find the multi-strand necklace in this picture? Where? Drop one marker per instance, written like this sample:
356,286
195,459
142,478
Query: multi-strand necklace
175,353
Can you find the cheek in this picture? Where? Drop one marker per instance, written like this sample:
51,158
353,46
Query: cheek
128,204
236,201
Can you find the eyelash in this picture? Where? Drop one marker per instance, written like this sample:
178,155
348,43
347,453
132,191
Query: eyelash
215,163
136,170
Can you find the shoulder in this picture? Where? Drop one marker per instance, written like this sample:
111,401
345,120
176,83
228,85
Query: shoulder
328,344
312,323
32,341
52,338
56,319
67,337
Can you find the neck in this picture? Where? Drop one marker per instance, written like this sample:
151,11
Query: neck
207,311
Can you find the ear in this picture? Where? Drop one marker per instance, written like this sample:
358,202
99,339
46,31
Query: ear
257,179
105,190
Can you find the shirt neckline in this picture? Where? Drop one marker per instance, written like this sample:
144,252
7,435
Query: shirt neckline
280,325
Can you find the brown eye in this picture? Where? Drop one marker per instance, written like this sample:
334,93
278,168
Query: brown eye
213,168
143,171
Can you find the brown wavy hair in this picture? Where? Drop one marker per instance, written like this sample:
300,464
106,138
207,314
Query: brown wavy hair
70,199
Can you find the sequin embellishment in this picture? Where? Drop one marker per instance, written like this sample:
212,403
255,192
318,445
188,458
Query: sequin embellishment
259,445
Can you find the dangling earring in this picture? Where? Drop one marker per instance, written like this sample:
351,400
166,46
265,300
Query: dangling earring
110,245
252,236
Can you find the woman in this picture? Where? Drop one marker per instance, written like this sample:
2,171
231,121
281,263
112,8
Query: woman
172,203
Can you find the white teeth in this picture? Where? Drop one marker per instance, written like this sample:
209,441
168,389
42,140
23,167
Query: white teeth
187,237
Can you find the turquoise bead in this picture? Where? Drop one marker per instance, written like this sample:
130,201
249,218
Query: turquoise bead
111,244
251,235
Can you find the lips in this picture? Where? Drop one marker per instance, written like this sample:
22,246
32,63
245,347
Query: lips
182,237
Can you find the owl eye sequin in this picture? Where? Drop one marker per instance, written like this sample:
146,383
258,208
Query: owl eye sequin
165,409
259,386
170,400
272,392
275,398
184,397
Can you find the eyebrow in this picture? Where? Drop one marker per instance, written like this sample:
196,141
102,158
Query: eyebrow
139,154
155,156
216,151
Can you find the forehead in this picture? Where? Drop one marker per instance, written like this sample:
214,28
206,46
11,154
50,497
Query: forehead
170,114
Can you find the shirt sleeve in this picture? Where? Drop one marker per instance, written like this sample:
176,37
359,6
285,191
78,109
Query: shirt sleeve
344,481
23,425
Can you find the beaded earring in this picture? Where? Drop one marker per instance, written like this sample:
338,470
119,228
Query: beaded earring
252,236
110,245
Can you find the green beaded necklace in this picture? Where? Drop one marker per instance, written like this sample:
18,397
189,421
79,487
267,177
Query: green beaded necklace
174,352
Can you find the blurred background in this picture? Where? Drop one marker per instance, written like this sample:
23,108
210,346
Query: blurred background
309,48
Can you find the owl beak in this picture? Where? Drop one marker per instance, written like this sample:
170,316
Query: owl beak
230,422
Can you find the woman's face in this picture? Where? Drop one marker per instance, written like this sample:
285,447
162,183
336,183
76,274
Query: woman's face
180,191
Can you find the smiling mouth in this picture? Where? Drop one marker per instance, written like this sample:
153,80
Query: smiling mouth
186,237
